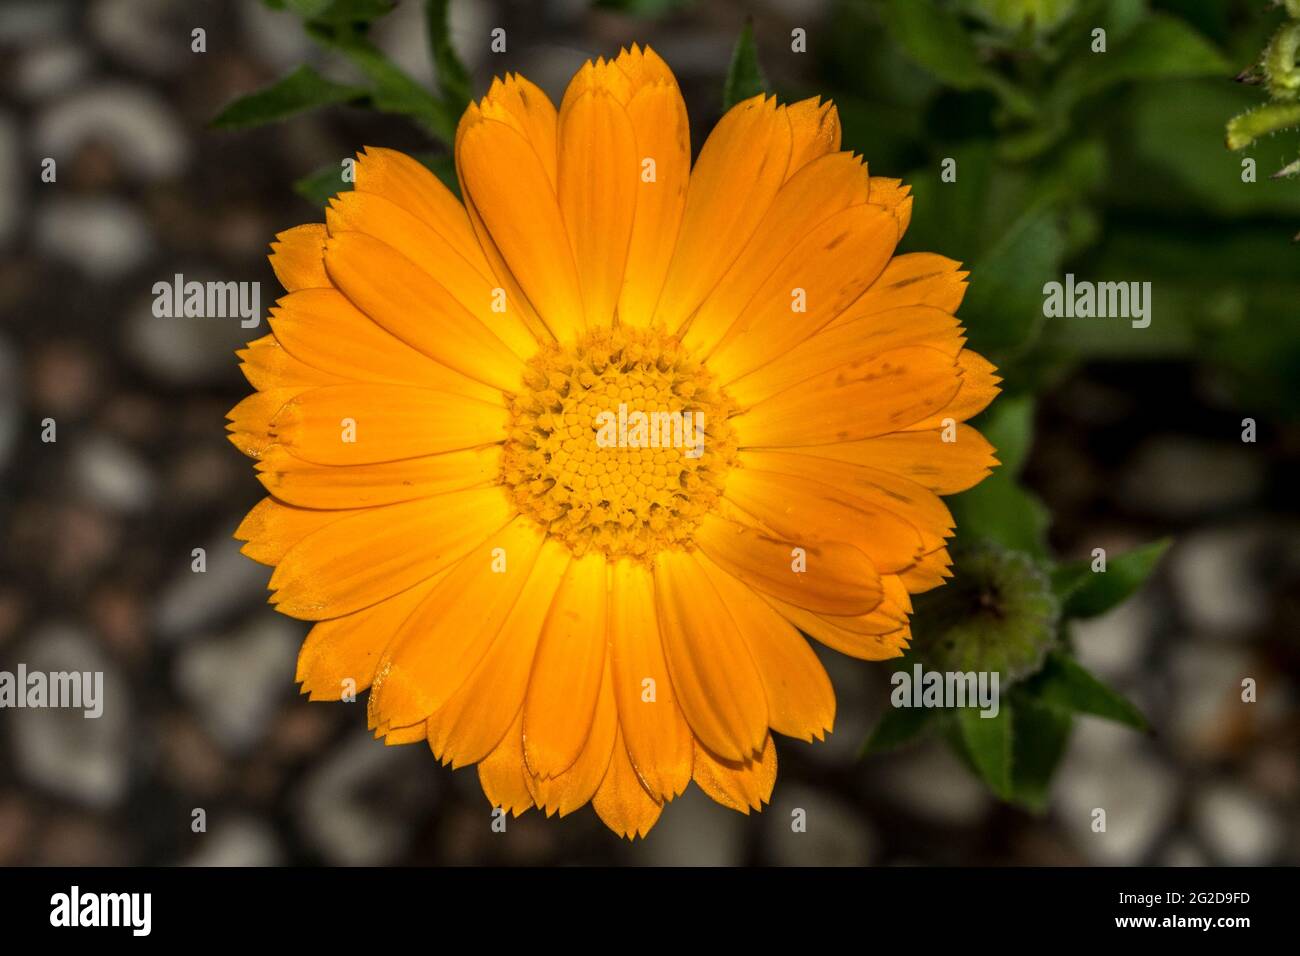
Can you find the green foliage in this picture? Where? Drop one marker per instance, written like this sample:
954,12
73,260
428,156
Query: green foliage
1087,593
341,27
899,726
935,39
453,78
999,510
987,742
744,77
302,90
1066,687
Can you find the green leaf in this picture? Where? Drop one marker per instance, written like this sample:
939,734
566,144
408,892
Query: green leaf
303,89
321,186
935,39
899,726
1009,427
1003,310
745,76
1087,593
988,743
1065,686
1040,735
1160,47
998,509
453,78
394,91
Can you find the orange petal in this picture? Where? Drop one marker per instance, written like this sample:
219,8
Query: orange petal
361,424
821,189
576,786
842,344
822,275
864,646
475,718
663,136
349,648
804,511
446,637
979,386
271,528
915,504
426,248
598,175
405,300
882,394
741,786
658,740
945,467
298,257
367,557
501,773
505,179
713,672
622,802
323,329
917,278
741,167
815,131
410,185
800,700
839,578
568,670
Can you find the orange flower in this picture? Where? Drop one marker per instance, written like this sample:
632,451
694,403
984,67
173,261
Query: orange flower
563,472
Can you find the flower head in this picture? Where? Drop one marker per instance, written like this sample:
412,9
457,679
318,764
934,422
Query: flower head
563,472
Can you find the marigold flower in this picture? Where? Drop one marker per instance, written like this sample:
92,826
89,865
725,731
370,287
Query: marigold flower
467,418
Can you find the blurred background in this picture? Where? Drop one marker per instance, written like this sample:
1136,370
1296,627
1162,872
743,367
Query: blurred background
1111,166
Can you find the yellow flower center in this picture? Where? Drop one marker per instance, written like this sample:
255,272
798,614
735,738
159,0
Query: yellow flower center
619,443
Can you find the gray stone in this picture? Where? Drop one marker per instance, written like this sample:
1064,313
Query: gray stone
693,830
49,69
195,601
145,34
1240,828
1109,767
1206,694
185,350
62,751
102,237
236,683
1112,645
111,475
26,21
276,37
1214,576
835,833
361,805
134,121
929,780
241,841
